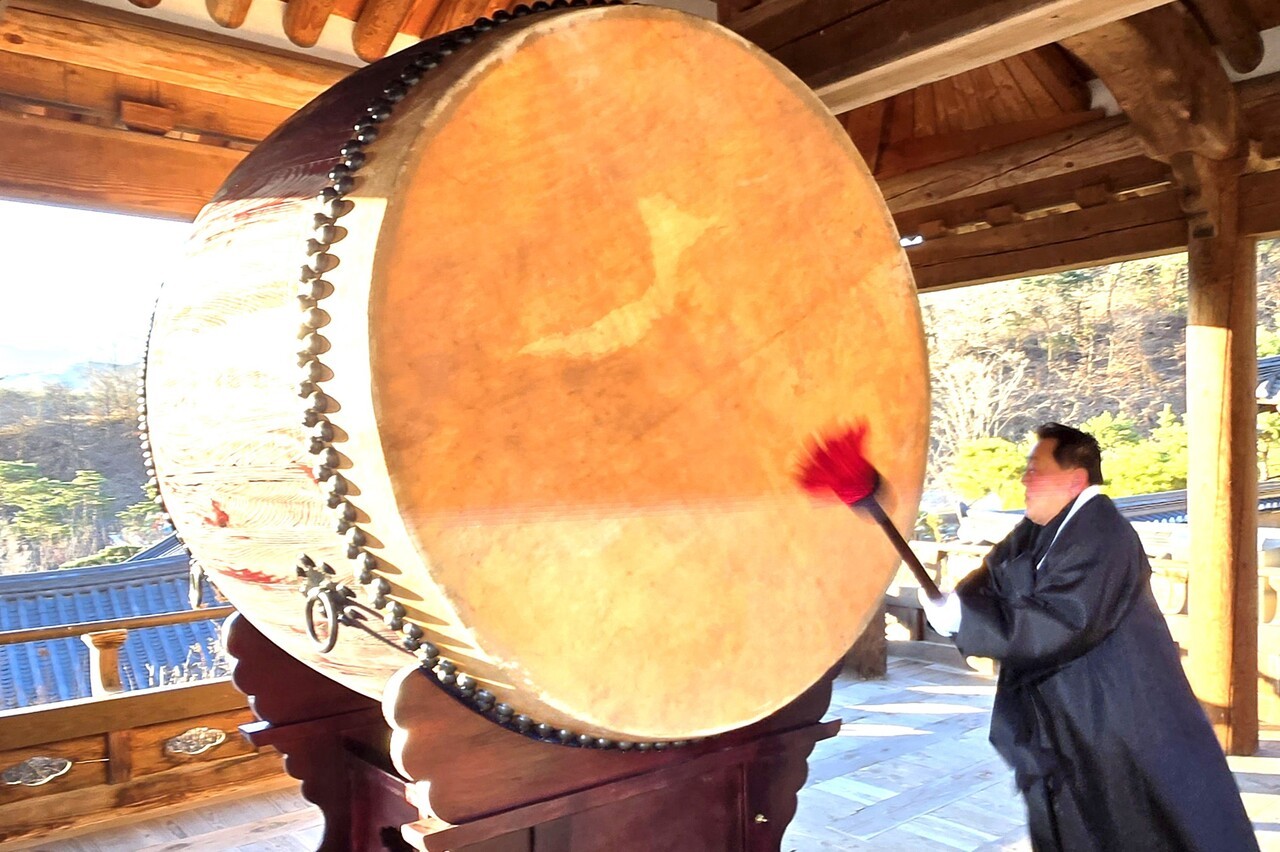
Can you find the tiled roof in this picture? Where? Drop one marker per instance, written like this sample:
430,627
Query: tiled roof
1170,507
1269,380
58,669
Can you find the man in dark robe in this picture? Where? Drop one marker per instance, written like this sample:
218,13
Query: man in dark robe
1092,710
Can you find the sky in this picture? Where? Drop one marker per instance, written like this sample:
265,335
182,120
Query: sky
78,285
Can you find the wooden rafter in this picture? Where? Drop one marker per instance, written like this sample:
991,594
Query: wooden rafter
879,49
919,153
377,26
179,59
866,128
305,19
229,13
1052,69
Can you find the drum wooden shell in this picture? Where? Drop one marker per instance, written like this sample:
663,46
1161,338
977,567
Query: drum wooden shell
579,306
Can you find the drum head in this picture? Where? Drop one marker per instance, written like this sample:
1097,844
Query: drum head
627,271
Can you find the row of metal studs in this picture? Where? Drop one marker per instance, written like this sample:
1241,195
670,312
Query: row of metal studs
314,290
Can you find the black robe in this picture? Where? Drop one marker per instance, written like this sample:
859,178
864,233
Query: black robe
1108,743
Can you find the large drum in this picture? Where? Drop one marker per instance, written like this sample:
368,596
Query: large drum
498,359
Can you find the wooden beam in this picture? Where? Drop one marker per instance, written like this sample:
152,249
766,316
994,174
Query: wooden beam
1137,173
1048,171
1234,27
915,154
99,93
1260,204
178,59
1099,143
1168,80
1137,228
1222,479
1105,233
773,23
875,50
62,162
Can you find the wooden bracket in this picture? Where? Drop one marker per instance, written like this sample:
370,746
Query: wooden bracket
1093,195
148,118
1002,214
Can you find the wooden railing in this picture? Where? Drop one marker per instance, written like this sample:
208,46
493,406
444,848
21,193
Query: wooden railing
136,622
105,639
949,562
83,762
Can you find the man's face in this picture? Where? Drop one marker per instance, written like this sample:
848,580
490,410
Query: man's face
1050,488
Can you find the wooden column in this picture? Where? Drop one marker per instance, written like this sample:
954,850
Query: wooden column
104,661
869,656
1222,480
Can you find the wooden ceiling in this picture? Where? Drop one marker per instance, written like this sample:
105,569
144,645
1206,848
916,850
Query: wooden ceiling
971,114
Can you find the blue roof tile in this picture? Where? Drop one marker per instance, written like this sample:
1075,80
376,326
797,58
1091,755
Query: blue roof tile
1269,380
58,669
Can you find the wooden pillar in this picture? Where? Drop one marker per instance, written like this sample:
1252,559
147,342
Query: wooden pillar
104,661
1223,477
869,656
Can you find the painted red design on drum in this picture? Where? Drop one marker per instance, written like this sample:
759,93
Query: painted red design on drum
248,575
836,466
220,518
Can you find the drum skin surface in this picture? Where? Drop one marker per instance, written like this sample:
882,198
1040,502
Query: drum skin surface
582,302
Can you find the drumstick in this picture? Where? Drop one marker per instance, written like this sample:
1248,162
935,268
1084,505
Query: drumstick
837,467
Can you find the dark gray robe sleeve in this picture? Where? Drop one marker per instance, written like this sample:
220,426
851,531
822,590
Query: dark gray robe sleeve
1037,619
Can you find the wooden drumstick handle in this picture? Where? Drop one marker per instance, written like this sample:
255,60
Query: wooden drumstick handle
871,505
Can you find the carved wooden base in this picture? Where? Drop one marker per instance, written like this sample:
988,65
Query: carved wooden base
420,771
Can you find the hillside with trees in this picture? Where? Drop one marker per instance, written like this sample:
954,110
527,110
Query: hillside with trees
1103,348
71,473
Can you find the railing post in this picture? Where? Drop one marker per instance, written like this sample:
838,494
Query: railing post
104,660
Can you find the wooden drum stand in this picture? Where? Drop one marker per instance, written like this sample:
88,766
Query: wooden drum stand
469,785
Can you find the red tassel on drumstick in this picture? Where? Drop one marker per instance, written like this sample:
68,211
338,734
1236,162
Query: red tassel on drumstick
837,467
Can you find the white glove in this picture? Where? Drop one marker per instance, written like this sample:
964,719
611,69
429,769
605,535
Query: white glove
944,615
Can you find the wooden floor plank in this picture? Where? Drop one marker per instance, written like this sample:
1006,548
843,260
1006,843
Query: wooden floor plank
256,831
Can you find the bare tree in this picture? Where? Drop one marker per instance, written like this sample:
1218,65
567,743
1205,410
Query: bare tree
976,395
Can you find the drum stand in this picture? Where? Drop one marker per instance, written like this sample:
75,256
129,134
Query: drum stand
469,785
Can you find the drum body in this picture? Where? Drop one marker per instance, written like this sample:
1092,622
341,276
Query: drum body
523,367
